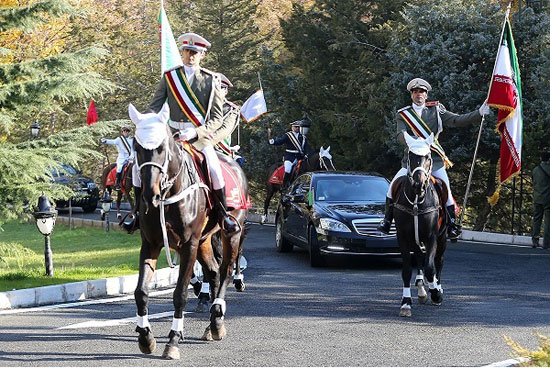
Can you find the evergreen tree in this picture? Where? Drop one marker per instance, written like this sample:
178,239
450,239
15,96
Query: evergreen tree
34,87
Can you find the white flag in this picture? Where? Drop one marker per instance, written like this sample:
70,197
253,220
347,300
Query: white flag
254,107
170,57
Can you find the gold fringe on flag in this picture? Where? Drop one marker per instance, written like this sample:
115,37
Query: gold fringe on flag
494,198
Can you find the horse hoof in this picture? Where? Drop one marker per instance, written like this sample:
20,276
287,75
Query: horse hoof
171,352
239,285
405,312
146,342
436,297
207,335
422,299
220,333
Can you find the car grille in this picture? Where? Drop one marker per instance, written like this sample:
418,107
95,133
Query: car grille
368,226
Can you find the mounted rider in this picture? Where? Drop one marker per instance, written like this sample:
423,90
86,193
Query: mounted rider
195,99
125,147
297,148
420,119
231,117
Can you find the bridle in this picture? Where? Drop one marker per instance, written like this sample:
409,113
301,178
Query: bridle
166,184
323,165
428,172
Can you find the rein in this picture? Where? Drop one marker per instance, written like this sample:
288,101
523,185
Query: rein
165,186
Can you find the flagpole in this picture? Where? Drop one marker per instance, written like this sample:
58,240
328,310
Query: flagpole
268,123
483,118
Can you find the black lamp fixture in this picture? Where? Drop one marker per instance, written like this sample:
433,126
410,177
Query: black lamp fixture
35,130
45,221
106,203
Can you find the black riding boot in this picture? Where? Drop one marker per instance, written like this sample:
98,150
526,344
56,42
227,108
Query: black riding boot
117,181
226,222
385,224
453,229
286,179
133,225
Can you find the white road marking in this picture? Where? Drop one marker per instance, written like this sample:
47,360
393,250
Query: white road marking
508,363
497,244
78,304
114,322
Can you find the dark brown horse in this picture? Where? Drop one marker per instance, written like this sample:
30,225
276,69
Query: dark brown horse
321,160
174,212
421,223
125,186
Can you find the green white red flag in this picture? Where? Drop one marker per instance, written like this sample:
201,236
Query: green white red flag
170,57
505,95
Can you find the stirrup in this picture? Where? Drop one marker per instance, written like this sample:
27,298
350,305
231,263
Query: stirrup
232,218
129,227
384,226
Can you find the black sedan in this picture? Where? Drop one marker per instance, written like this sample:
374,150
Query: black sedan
86,190
332,213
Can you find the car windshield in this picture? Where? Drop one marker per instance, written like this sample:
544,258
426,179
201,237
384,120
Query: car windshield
67,170
352,188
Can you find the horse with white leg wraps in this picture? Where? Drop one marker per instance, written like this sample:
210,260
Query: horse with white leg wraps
421,223
174,211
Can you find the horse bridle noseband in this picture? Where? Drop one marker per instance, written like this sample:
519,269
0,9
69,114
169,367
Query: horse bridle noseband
322,164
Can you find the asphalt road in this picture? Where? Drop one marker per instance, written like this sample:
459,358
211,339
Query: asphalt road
293,315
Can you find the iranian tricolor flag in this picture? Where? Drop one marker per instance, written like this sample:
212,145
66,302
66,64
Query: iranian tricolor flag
505,95
170,57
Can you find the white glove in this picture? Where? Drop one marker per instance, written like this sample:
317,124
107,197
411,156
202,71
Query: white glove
235,148
484,109
187,134
103,140
271,141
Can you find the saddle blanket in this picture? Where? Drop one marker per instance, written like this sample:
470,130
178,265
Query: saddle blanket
111,178
234,193
277,175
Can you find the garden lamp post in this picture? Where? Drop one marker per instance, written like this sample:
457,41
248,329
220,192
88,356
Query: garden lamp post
35,130
45,222
106,203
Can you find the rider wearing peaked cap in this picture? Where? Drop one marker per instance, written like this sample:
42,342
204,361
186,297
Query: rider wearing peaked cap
296,148
421,119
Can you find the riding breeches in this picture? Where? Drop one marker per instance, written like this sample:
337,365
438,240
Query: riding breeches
441,174
120,163
214,168
289,165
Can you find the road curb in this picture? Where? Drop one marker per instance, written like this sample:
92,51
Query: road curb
81,290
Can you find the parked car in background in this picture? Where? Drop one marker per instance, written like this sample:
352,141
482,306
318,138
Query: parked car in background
335,213
86,190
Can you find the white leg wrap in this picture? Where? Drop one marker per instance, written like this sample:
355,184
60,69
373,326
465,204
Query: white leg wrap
177,324
221,302
143,321
406,292
194,280
205,288
239,277
432,285
419,277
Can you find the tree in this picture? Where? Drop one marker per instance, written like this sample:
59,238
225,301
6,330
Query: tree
34,86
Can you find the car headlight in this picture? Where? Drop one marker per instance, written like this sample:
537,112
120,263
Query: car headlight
329,224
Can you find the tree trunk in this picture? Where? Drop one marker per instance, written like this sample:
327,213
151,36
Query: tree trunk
485,211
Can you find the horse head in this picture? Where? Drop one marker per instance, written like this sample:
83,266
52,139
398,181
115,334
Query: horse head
419,162
325,159
154,148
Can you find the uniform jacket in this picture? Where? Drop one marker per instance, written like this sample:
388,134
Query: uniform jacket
436,117
291,156
541,184
123,154
230,120
205,85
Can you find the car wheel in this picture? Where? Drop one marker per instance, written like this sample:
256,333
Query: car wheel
90,207
283,245
316,259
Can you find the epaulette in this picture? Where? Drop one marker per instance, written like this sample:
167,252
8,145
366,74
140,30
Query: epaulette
432,103
235,106
209,72
404,108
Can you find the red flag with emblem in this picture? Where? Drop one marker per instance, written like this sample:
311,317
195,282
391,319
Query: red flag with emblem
92,114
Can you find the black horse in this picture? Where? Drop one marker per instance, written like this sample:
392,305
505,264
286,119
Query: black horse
174,212
321,160
421,223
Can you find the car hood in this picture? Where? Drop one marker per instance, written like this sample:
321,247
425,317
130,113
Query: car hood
350,211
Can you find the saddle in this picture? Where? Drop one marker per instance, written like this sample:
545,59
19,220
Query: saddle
440,190
234,192
277,175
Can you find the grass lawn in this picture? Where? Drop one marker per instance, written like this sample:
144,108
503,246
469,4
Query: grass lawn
79,254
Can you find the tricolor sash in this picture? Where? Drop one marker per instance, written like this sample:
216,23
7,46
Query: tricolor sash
125,144
190,105
295,142
421,129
